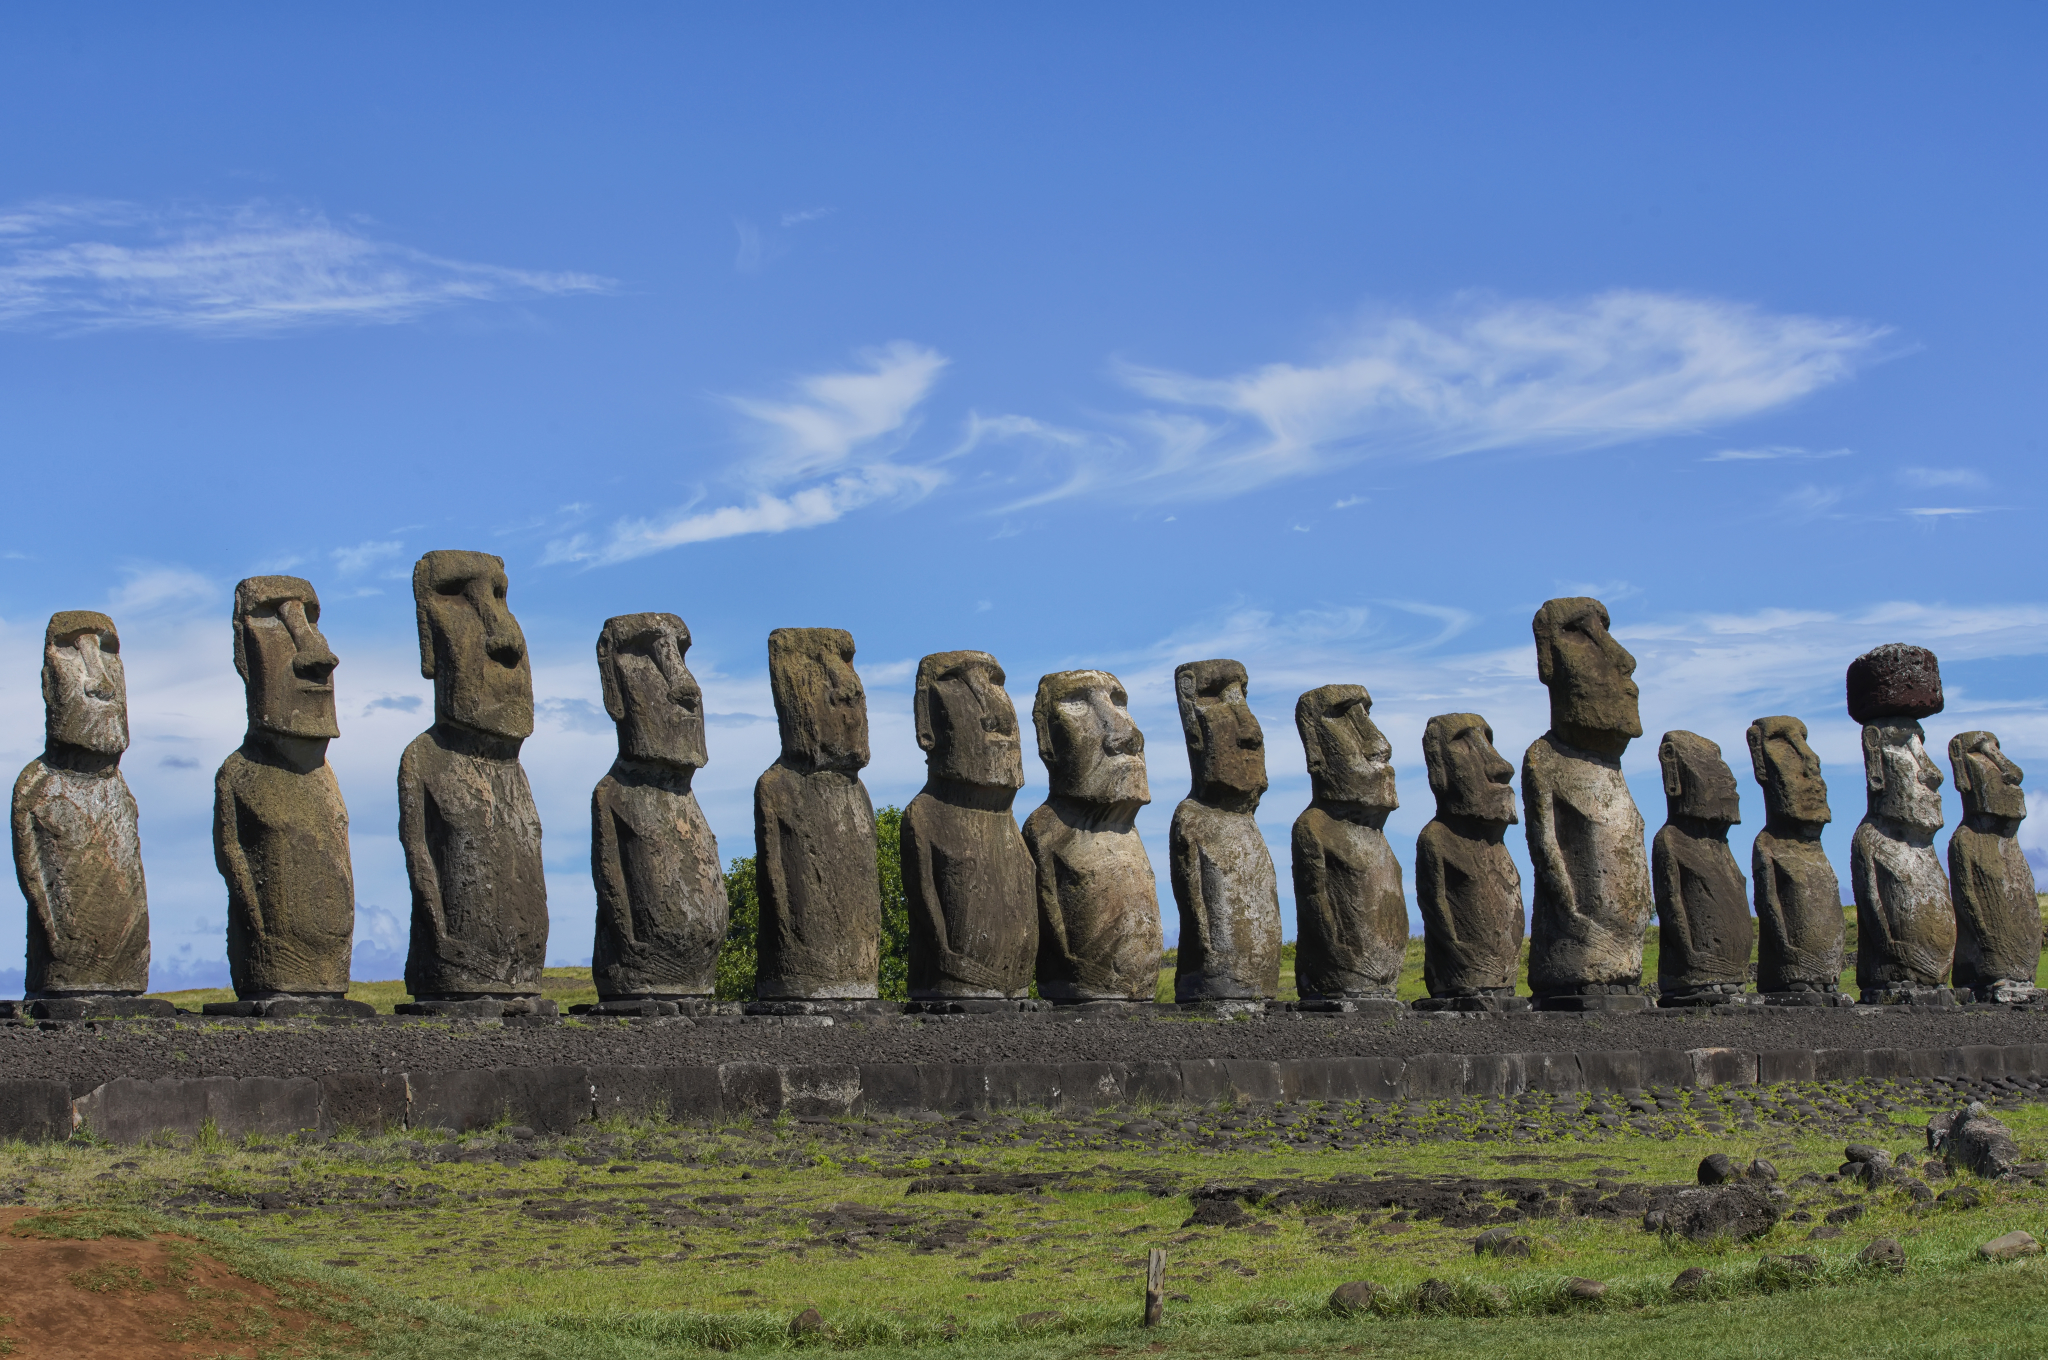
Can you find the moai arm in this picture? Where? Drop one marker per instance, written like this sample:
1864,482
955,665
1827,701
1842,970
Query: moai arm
1311,880
1432,893
1868,888
608,874
28,857
1052,921
1669,880
419,857
1184,862
916,856
228,855
1545,856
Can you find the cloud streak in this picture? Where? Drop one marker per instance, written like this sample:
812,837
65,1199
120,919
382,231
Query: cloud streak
254,268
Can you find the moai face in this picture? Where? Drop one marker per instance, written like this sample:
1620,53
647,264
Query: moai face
471,646
283,661
1349,759
1903,784
1697,783
1789,771
1226,748
1468,777
1093,752
649,692
1592,698
1988,782
966,722
819,702
85,691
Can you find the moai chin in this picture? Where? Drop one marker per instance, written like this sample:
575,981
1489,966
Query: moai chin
1222,872
280,828
967,874
1798,899
1704,933
1592,900
1466,885
1098,901
1998,923
1905,924
814,831
77,854
1350,911
465,812
661,904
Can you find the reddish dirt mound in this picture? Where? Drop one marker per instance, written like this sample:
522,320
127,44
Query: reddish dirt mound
119,1298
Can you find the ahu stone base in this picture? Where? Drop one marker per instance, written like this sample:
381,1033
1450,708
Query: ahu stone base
292,1008
1499,1004
87,1008
480,1008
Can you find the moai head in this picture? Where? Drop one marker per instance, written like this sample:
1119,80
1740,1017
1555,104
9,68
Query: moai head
966,722
1903,784
1789,771
1349,759
1697,783
1093,752
1988,782
1468,777
1226,748
819,702
649,692
85,691
284,663
1592,698
471,646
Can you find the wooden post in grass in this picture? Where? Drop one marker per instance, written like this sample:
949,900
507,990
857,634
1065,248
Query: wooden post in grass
1155,1287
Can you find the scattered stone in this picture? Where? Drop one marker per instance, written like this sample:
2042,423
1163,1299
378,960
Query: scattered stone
1584,1290
1216,1213
808,1323
1859,1152
1353,1297
1500,1242
1974,1141
1761,1171
2009,1247
1718,1169
1433,1295
1740,1212
1960,1197
1222,872
1884,1253
1689,1280
1466,885
1349,903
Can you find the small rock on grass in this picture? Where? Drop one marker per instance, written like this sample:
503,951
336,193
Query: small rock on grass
806,1323
1883,1254
1354,1296
1688,1280
2010,1247
1500,1242
1586,1291
1718,1169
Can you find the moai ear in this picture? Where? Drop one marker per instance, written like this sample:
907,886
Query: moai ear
1873,759
1191,725
608,677
1755,737
1674,775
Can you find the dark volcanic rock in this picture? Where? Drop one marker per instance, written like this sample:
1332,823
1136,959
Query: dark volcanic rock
1741,1212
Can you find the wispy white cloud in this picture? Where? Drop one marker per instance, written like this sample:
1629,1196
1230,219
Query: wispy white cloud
1488,375
824,451
1350,501
1949,476
150,588
1809,502
1943,511
1772,453
365,555
243,269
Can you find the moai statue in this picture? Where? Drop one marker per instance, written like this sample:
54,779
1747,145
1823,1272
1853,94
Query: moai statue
1998,920
1098,902
1905,925
1350,912
814,834
1798,900
465,812
280,828
1223,880
661,907
968,878
1592,900
1704,933
76,850
1466,884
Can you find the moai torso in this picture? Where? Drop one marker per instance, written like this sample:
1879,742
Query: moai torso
1592,896
1467,888
465,812
1222,872
814,828
1098,900
1351,915
968,878
661,903
1704,934
1998,920
1798,900
77,852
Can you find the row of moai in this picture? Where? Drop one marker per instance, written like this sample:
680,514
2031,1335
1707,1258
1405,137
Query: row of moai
1069,900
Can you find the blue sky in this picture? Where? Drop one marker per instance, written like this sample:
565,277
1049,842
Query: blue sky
1332,338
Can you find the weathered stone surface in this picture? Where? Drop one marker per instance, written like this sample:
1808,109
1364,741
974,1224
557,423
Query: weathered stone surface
1972,1139
1884,1253
1739,1212
280,828
1223,879
1798,899
1353,1297
1099,932
1351,915
968,878
77,854
814,828
1905,926
1704,932
661,905
465,812
2010,1247
1896,680
1466,884
1592,894
1998,922
1718,1169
